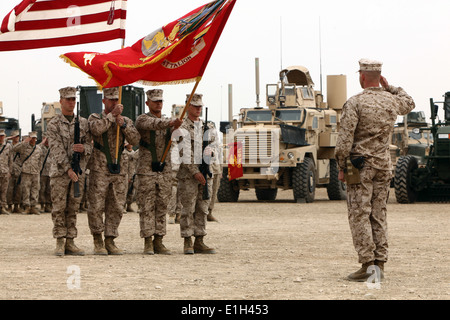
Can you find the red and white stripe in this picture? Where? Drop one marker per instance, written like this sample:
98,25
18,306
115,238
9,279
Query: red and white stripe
51,23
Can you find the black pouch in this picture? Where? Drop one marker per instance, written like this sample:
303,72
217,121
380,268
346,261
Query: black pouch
358,163
158,166
114,168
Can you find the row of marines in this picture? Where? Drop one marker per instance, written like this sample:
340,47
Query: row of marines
109,179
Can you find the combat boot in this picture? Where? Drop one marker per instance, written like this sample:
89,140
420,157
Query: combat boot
59,251
99,246
42,207
159,246
211,218
72,249
26,209
148,246
17,209
188,248
380,265
10,208
200,247
34,210
129,208
361,275
47,208
111,246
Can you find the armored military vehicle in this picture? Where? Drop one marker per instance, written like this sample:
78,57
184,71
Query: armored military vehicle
8,124
290,144
48,111
431,181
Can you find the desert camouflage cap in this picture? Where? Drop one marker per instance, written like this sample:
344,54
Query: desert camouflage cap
33,134
155,95
15,133
196,99
369,65
2,132
68,92
111,93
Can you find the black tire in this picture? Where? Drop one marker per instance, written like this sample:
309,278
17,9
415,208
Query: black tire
336,190
266,194
304,181
228,190
404,193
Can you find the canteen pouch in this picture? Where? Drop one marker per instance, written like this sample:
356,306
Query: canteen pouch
114,168
158,166
351,173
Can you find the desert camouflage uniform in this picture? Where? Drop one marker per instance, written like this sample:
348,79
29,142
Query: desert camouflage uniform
30,172
107,191
60,134
45,189
5,169
366,126
14,190
194,208
130,159
155,188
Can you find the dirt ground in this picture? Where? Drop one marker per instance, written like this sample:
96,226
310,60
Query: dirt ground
277,250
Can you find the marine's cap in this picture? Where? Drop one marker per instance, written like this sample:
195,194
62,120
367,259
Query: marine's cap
2,132
15,133
196,99
369,65
155,95
68,92
111,93
33,134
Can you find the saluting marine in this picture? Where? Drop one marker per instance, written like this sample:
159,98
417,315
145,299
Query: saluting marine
107,176
5,169
14,193
362,148
155,176
61,138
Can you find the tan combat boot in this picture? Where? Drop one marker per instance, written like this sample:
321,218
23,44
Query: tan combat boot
211,218
148,246
34,210
26,209
361,275
159,246
129,208
10,208
2,211
17,209
72,249
188,248
99,246
200,247
59,251
47,208
111,246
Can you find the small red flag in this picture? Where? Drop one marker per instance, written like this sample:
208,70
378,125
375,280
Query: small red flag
176,53
235,169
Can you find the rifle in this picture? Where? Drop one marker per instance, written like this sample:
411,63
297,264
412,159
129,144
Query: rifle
130,189
204,167
76,157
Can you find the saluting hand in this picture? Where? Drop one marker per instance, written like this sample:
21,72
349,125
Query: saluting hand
384,83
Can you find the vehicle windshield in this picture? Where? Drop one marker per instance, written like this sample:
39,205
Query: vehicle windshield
258,115
289,115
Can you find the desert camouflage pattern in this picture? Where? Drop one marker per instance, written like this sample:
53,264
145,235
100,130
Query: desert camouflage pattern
367,123
110,189
129,160
14,191
60,134
5,169
45,189
367,214
155,188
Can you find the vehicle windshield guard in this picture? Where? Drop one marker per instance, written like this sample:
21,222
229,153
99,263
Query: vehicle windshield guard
258,116
289,115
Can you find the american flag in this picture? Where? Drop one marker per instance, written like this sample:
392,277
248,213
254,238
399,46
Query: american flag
36,24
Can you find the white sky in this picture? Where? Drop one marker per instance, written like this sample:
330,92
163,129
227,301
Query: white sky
410,37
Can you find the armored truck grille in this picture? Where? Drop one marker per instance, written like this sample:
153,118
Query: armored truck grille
257,146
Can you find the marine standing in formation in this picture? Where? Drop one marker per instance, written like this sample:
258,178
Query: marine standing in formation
191,180
60,133
108,178
45,190
155,177
367,123
14,192
5,169
30,155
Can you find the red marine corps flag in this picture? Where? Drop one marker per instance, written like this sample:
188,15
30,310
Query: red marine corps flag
235,169
176,53
36,24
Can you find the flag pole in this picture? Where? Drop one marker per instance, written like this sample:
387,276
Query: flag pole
116,159
181,117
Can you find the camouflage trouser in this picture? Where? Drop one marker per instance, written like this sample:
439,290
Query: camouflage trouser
44,193
107,194
30,189
4,180
215,187
195,209
65,206
155,192
367,214
14,190
174,207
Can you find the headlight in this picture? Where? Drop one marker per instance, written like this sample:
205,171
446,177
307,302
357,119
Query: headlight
290,155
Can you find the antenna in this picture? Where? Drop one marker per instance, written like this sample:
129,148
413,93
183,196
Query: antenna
281,43
320,54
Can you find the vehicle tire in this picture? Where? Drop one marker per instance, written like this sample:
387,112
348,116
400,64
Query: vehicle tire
404,193
336,190
304,181
266,194
228,190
